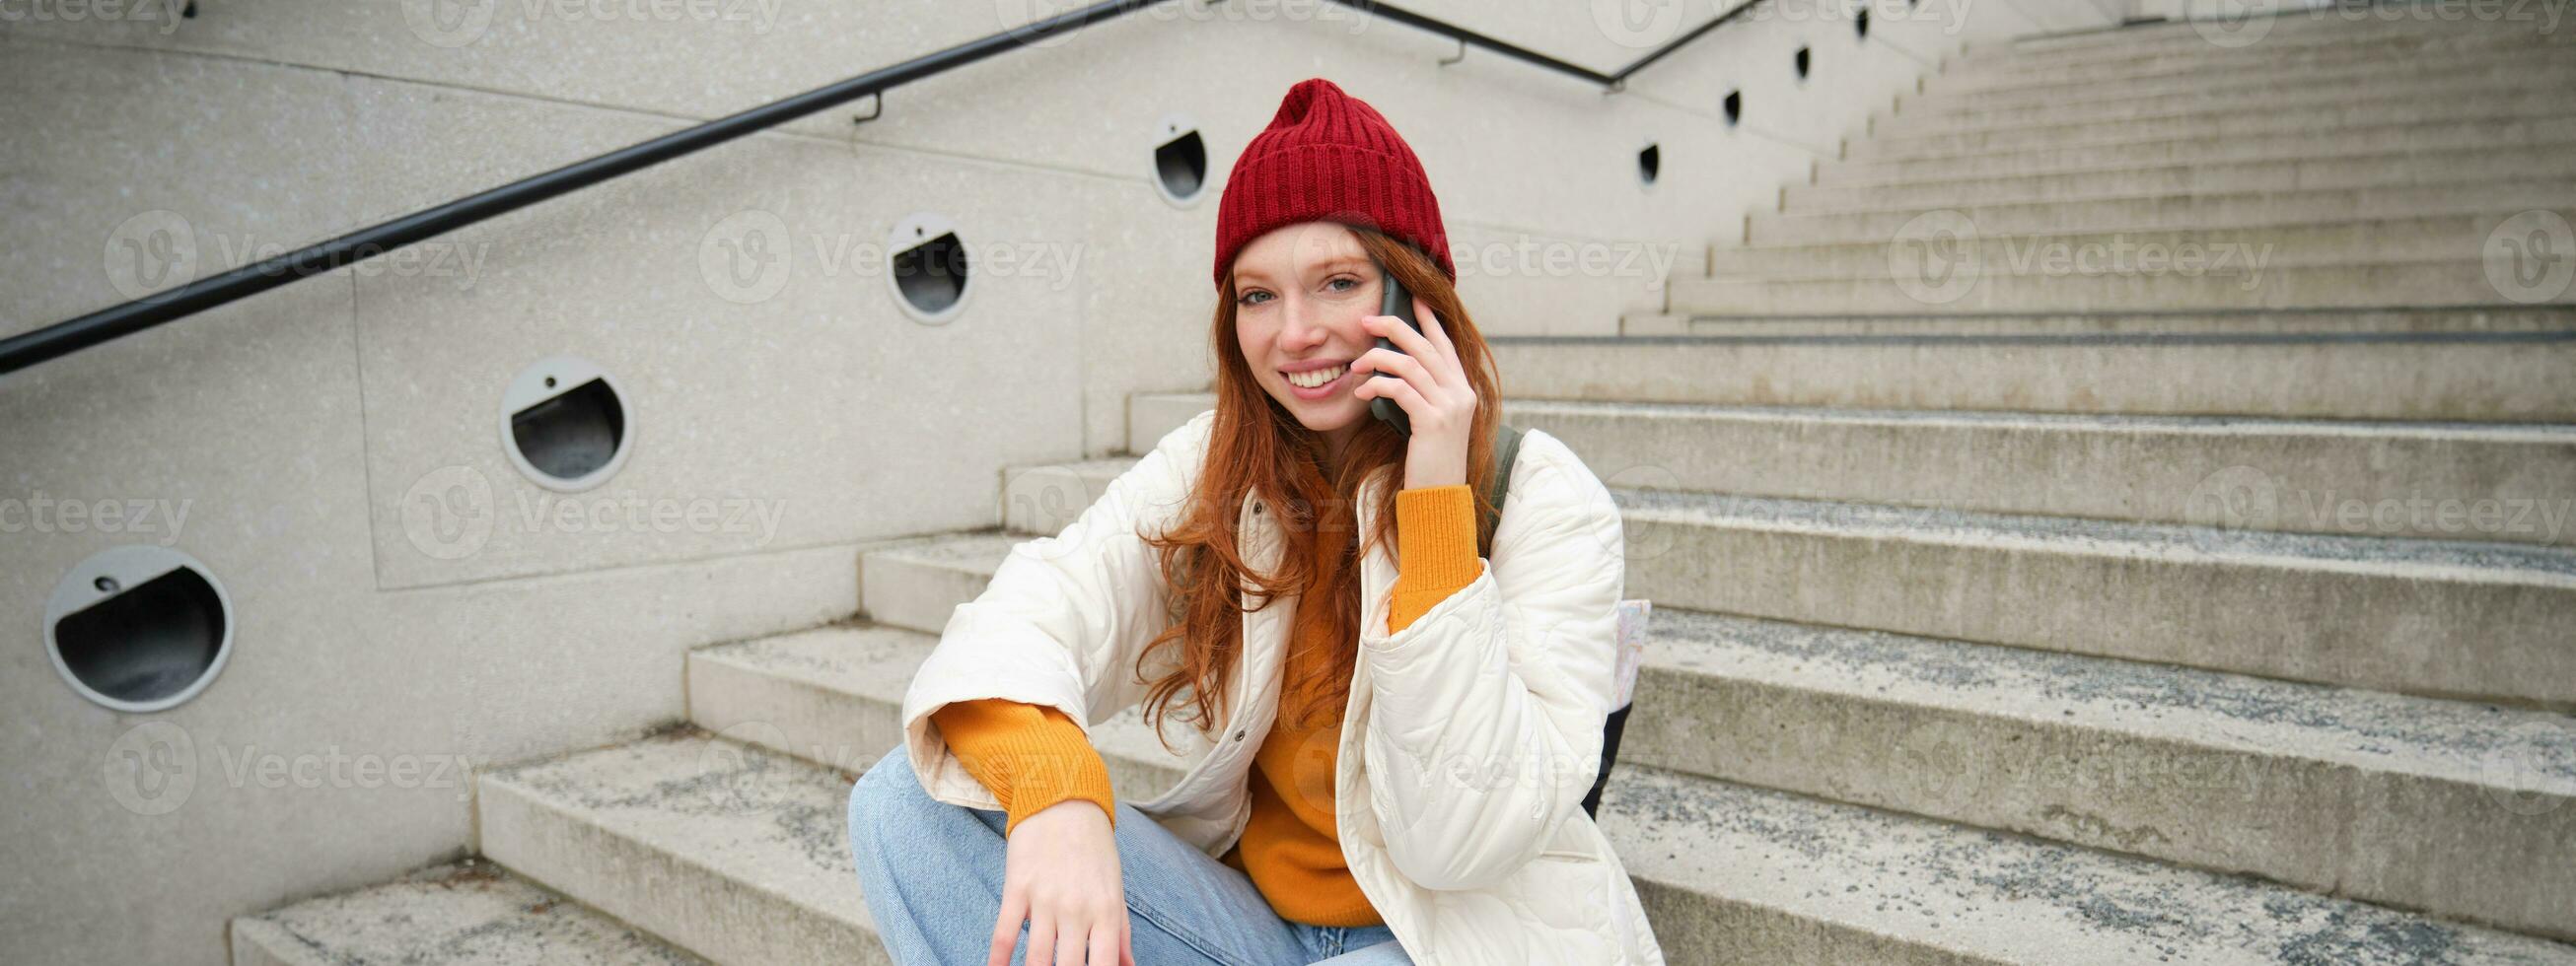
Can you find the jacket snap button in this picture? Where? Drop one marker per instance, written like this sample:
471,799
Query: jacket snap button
1238,736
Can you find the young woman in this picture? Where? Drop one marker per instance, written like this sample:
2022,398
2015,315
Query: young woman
1388,769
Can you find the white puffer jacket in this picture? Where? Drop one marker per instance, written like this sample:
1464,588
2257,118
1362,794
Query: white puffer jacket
1469,742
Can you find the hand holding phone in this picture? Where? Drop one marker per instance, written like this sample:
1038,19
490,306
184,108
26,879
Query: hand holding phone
1399,303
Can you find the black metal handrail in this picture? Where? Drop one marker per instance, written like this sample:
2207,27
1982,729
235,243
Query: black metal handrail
29,348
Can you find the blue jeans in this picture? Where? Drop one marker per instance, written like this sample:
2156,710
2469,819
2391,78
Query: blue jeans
932,876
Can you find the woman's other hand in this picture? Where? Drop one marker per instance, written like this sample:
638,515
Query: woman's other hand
1061,876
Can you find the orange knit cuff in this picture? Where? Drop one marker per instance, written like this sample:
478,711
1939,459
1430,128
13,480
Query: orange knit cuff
1029,756
1435,540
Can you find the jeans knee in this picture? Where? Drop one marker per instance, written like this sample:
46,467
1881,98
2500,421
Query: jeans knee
887,794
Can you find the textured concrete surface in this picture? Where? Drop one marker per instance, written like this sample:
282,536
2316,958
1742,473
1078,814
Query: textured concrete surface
458,913
1861,165
1747,875
2507,378
2287,475
735,854
2477,620
1743,875
2415,802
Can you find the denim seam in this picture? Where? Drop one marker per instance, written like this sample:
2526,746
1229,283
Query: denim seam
1187,937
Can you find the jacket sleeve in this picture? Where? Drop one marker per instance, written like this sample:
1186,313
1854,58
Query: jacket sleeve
1061,623
1485,723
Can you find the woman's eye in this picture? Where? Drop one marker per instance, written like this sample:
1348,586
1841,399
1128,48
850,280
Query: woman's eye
1355,283
1246,298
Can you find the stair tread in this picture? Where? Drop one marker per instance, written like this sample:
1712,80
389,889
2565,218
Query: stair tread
2422,558
2107,422
461,912
774,824
2419,557
1852,866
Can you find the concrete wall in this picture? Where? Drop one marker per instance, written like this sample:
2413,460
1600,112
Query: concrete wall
778,424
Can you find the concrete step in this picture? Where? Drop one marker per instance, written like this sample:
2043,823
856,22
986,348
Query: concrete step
2477,620
2475,376
2046,278
1865,167
822,686
1940,137
1995,109
470,911
2536,67
2165,212
2357,171
2335,242
2325,23
2457,809
2285,475
2234,63
2193,325
2441,619
734,853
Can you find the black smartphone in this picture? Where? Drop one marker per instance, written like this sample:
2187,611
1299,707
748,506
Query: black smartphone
1399,303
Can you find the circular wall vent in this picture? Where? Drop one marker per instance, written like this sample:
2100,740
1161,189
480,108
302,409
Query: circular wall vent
1180,161
565,424
928,271
138,628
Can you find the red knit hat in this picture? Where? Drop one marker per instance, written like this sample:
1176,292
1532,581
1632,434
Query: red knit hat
1328,156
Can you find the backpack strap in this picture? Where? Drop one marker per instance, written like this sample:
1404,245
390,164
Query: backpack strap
1507,446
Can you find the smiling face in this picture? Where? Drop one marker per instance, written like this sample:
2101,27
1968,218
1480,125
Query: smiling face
1300,292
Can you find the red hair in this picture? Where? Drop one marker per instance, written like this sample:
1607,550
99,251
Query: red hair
1257,446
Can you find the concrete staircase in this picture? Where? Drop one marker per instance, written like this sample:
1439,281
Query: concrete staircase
2033,625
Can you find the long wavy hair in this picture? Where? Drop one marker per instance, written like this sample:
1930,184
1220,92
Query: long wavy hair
1257,446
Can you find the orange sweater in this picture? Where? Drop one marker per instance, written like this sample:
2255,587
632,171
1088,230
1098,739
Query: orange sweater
1032,757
